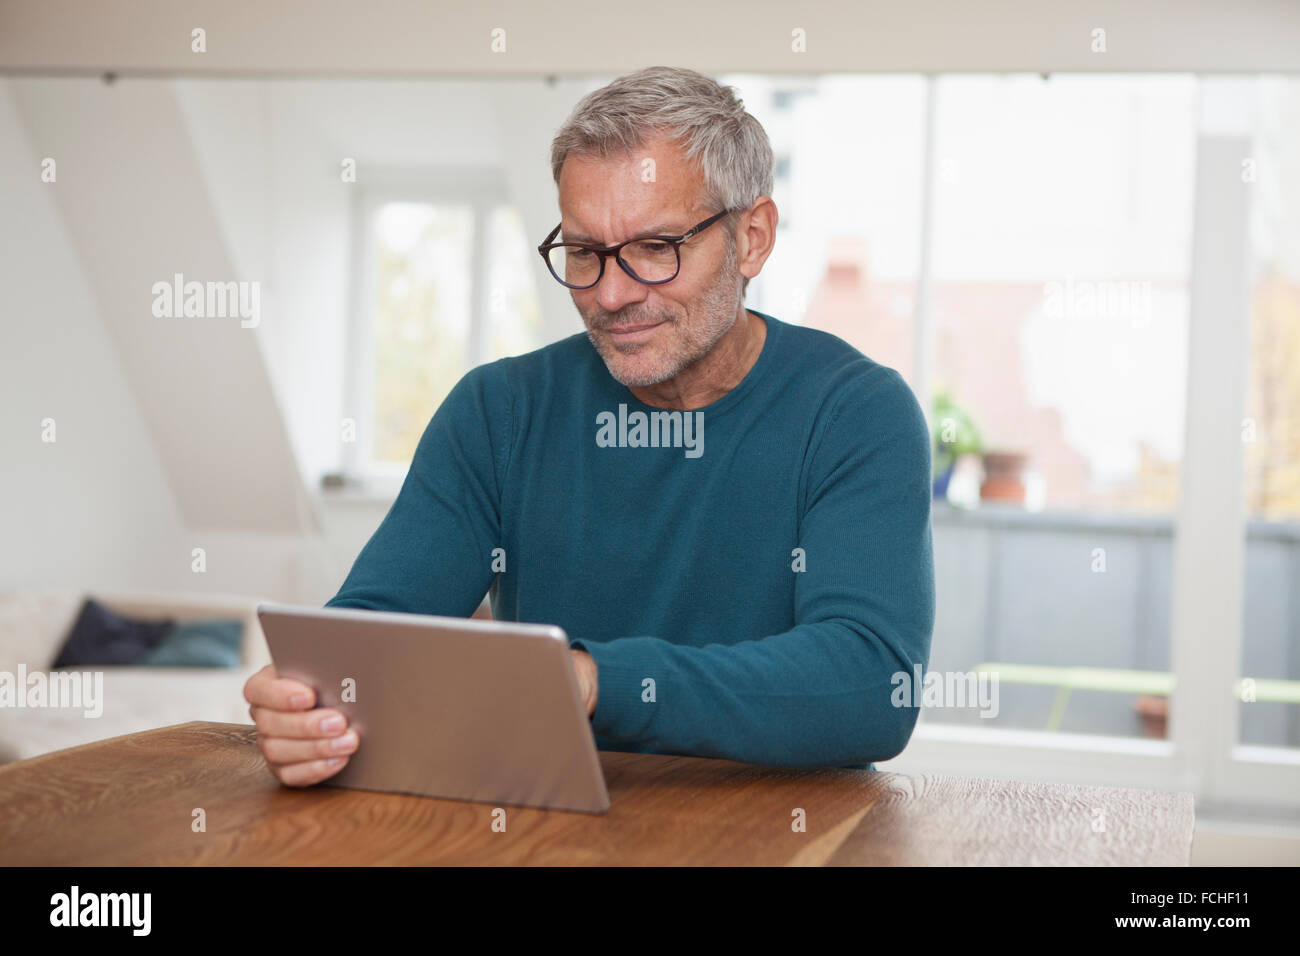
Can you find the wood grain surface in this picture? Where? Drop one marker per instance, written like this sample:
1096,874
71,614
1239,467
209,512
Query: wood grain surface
130,800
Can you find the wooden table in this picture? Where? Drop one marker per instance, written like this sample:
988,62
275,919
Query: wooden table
130,800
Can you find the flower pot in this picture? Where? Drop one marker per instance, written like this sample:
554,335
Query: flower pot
941,480
1002,481
1154,714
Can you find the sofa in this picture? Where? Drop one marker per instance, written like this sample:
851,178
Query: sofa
33,626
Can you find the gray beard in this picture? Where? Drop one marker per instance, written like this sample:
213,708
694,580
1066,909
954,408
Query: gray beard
720,304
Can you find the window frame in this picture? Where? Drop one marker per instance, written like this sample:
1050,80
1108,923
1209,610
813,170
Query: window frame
483,190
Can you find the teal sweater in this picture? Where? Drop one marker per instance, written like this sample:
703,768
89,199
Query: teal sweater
747,587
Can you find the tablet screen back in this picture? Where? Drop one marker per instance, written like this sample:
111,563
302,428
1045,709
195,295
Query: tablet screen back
447,707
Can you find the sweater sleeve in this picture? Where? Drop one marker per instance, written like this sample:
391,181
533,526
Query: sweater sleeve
818,694
432,554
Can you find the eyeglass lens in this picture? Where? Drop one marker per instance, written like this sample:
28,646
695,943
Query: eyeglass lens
651,260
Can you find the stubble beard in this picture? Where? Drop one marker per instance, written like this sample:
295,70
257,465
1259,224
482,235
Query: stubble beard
717,309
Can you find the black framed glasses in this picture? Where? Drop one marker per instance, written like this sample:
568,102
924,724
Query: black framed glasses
652,260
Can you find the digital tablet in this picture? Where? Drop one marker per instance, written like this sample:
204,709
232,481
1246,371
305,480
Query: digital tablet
489,711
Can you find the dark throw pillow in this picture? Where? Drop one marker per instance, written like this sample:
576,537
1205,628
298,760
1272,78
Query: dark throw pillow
102,638
213,643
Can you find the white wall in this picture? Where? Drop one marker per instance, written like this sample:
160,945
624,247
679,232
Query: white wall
94,507
264,196
130,205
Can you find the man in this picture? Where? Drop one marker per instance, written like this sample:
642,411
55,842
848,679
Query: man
729,515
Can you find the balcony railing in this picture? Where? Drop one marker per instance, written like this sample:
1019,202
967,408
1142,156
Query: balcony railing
1074,608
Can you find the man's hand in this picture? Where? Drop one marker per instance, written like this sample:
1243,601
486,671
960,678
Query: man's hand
302,746
585,665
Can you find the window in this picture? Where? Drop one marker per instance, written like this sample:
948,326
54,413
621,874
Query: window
1060,239
1062,244
420,314
1039,258
444,285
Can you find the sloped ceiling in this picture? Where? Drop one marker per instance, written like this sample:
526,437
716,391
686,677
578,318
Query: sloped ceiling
136,208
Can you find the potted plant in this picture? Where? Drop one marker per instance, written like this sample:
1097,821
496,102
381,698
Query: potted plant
954,435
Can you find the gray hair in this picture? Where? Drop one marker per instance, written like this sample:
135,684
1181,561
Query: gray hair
708,118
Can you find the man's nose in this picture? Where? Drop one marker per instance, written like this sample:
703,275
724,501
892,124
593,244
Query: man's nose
616,289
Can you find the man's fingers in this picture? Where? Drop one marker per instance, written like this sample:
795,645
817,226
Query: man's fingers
302,745
265,689
289,750
305,774
315,723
